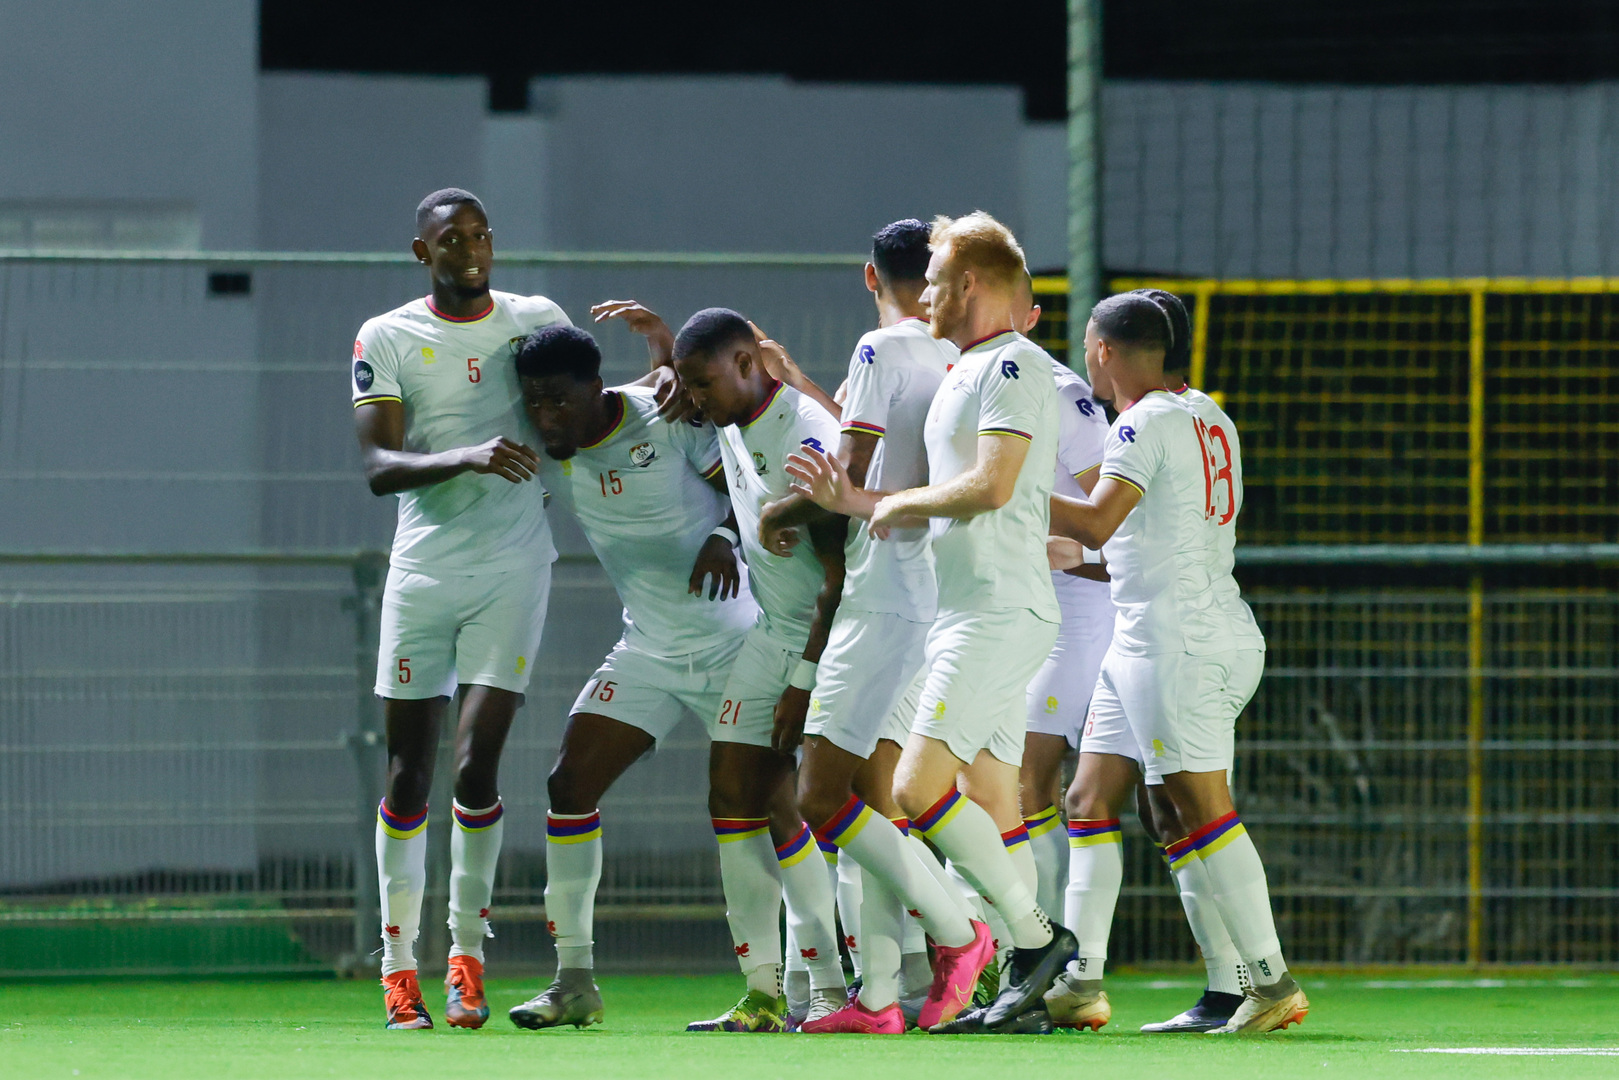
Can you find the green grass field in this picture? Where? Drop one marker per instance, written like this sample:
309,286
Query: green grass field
289,1028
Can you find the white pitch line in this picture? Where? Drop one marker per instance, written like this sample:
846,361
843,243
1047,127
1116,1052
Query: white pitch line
1471,984
1520,1051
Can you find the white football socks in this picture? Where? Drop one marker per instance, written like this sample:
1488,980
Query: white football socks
1203,916
1049,843
401,881
883,917
1240,891
752,897
807,888
1095,874
967,835
851,890
573,870
474,852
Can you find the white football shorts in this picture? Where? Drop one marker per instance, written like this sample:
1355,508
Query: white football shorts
1172,712
654,693
1060,692
439,632
978,669
869,662
747,710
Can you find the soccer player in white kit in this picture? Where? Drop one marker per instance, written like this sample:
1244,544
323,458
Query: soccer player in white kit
440,421
854,731
650,497
1060,692
991,439
1185,659
761,422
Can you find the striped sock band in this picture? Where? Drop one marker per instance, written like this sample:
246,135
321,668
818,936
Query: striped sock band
1216,834
730,830
477,820
797,849
1043,822
1177,853
939,814
846,824
573,828
400,828
1088,832
828,850
902,824
1013,837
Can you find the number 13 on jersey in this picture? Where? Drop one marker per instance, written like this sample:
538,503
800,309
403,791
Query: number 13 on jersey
1219,487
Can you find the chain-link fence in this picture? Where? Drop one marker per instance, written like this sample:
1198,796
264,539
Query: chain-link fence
189,754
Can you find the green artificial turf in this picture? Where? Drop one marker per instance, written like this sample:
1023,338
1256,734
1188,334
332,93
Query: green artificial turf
225,1029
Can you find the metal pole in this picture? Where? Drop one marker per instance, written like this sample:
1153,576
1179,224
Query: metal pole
1084,160
365,741
1475,632
1201,302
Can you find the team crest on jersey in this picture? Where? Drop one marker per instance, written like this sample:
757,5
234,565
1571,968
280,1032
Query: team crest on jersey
363,376
759,465
643,454
428,355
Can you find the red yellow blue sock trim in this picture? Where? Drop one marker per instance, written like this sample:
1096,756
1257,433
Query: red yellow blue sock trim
573,828
940,813
795,850
479,820
1013,837
1217,834
1089,832
829,850
1044,822
400,828
902,824
846,824
730,830
1178,852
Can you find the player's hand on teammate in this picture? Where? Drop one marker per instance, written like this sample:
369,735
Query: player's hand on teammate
792,708
716,561
778,364
776,538
501,456
822,478
660,340
1063,553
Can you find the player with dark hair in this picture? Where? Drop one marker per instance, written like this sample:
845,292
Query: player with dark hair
650,498
761,421
1185,659
440,420
855,728
991,445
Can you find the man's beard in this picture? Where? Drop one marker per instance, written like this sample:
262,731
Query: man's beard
947,317
560,453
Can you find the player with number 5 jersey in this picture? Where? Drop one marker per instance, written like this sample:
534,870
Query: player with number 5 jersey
440,421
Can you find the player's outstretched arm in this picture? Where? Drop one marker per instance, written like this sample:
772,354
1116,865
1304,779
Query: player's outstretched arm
674,404
792,708
389,468
1094,523
987,486
784,369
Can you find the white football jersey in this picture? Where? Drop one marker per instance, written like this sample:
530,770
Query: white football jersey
755,453
1163,558
1225,467
459,387
641,497
1081,437
996,561
893,375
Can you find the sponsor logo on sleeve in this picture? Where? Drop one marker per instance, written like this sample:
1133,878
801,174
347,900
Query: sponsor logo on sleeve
363,376
1009,369
1127,434
643,454
814,444
1086,406
867,354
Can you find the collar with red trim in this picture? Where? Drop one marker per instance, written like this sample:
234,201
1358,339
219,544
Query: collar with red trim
484,314
984,340
770,399
612,428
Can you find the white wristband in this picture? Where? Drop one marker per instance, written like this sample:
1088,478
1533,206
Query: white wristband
803,677
1089,557
731,537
